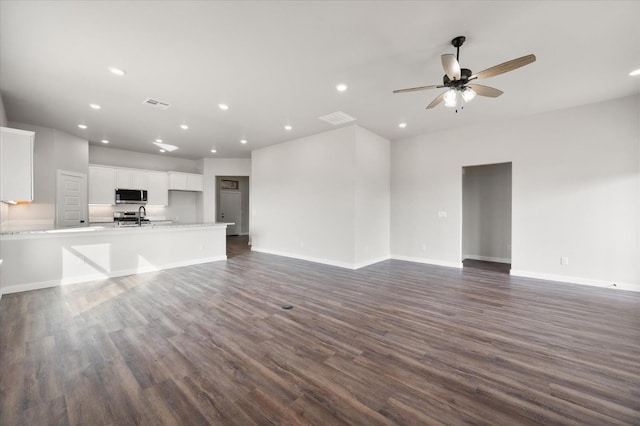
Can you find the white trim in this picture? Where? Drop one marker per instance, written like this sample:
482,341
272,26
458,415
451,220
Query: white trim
427,261
575,280
486,258
113,274
307,258
371,262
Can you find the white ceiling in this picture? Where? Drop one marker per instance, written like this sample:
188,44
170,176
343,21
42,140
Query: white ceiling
277,63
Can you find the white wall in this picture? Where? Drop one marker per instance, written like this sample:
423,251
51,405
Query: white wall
576,191
486,204
3,114
372,204
4,208
138,160
306,198
210,168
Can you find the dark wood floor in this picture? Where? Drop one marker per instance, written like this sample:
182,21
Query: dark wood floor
393,343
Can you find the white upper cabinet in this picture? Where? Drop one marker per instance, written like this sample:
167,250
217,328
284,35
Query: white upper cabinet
157,185
16,164
185,181
129,179
103,180
101,185
194,182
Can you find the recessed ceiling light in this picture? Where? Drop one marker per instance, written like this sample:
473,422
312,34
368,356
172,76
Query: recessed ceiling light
402,125
341,87
243,141
95,106
214,151
117,71
162,150
184,127
635,72
104,141
159,140
223,107
82,126
287,127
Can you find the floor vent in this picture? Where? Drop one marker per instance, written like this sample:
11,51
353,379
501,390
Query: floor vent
337,118
156,103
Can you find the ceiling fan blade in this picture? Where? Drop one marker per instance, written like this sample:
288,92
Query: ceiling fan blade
436,101
485,90
415,89
504,67
451,66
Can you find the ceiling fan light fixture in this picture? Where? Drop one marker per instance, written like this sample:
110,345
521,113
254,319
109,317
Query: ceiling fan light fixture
450,98
468,94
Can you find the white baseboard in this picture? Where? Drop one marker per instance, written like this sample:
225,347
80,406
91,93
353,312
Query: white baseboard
307,258
329,262
371,262
576,280
427,261
487,258
113,274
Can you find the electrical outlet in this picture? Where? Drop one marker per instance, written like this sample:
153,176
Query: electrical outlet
424,247
442,214
564,260
301,243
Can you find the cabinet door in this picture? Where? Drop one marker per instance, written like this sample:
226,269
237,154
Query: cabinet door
194,182
101,185
129,179
178,181
122,179
158,186
16,165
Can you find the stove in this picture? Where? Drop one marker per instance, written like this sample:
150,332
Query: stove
128,218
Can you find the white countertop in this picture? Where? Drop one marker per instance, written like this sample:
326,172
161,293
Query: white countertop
41,231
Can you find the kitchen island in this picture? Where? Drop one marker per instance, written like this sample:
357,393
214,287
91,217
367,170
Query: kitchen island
54,257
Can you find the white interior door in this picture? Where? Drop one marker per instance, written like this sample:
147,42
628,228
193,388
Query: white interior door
71,199
230,211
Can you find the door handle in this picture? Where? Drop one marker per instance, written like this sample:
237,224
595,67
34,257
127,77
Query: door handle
82,221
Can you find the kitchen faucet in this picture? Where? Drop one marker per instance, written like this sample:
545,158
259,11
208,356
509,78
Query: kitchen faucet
141,208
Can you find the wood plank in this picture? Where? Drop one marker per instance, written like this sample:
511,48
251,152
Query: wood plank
392,343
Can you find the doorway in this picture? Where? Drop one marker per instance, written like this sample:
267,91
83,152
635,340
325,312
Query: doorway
71,199
232,203
486,216
230,211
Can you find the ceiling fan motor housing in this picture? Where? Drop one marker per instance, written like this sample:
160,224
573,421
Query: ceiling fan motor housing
465,73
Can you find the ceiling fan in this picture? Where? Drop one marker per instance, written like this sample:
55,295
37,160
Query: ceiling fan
459,80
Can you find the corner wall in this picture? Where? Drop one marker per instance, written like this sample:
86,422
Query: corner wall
372,204
576,192
323,198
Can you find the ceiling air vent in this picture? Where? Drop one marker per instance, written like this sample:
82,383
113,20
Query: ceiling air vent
337,118
156,103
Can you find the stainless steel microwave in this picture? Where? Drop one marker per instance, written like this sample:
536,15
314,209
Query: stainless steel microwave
131,196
